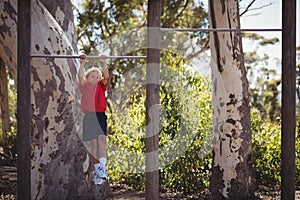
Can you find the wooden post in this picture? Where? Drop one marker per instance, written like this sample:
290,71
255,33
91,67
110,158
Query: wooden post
24,101
288,127
152,99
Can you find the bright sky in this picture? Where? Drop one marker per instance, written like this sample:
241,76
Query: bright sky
263,14
266,14
268,17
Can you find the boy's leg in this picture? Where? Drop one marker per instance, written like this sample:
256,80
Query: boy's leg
102,146
94,151
102,154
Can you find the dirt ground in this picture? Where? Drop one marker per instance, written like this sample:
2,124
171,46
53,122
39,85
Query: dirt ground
262,193
8,179
126,193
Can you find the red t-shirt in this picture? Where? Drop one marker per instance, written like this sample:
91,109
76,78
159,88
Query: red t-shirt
93,97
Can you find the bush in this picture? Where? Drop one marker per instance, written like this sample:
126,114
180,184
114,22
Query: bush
267,150
11,137
298,153
266,139
184,133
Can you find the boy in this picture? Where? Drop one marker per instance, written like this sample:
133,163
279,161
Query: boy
93,104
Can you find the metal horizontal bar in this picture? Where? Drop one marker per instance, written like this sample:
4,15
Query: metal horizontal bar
88,56
220,29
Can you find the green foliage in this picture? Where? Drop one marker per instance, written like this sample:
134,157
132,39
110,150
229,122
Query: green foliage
264,78
100,20
185,128
264,85
185,102
269,41
11,137
261,39
253,36
116,27
298,78
119,27
188,171
297,173
188,130
266,149
270,99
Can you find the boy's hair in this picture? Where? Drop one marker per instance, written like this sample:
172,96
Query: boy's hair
92,69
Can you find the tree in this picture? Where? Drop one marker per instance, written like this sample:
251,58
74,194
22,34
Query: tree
232,174
263,76
60,162
118,28
100,21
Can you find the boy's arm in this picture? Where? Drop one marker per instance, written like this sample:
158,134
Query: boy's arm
105,70
81,70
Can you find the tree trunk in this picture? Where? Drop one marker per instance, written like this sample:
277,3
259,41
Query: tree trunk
61,168
4,105
63,14
8,36
232,173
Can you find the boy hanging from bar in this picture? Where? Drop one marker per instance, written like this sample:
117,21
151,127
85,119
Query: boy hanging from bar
93,104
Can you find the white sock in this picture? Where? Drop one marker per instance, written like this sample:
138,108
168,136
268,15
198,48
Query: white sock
102,160
96,166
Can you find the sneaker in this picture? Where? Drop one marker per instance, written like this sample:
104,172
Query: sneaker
97,179
101,172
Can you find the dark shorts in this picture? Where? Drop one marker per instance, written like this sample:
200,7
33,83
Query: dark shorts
94,124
